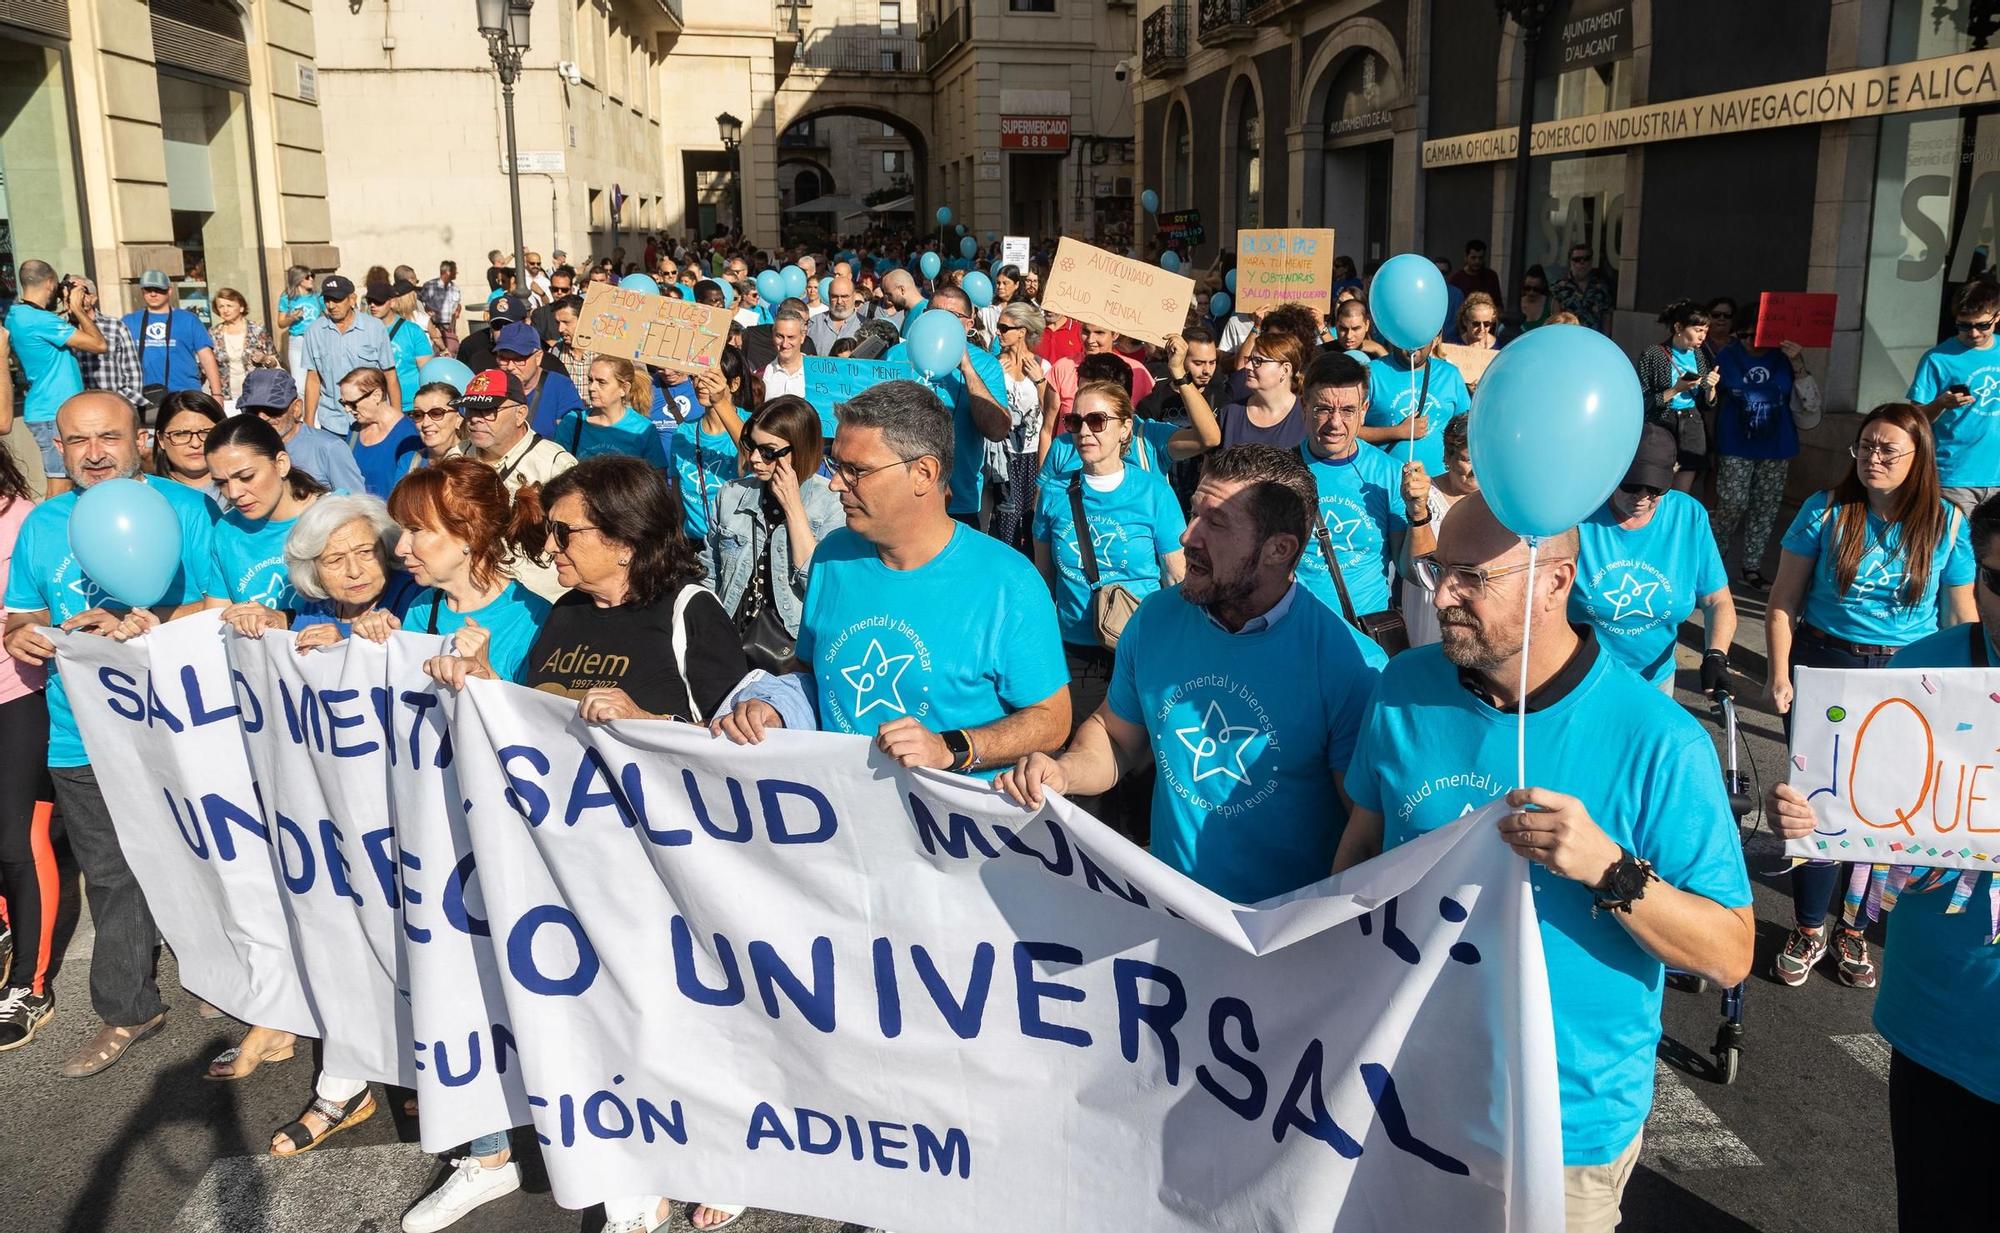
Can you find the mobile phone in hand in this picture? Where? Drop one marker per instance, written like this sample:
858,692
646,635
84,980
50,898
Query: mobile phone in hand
1960,388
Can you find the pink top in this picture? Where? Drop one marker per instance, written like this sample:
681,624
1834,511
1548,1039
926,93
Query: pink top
1064,380
17,680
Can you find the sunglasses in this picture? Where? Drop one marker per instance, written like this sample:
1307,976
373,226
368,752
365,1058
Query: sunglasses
1642,490
771,453
351,403
1977,327
1096,421
1481,327
1537,288
433,415
561,532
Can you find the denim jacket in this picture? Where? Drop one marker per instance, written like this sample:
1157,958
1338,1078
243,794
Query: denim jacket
738,522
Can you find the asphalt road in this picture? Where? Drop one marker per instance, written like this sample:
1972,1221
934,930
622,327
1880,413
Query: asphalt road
1797,1143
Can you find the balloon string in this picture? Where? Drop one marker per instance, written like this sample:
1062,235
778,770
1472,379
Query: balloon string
1521,700
1415,407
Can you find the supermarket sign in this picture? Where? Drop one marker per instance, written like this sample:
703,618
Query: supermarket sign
1044,133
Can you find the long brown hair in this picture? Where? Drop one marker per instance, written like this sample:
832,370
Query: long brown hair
1919,508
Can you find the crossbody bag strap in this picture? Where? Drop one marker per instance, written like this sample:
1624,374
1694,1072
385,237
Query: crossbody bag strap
1333,567
576,434
1084,547
680,640
437,602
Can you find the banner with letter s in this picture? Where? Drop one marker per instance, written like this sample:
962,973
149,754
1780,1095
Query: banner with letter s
799,977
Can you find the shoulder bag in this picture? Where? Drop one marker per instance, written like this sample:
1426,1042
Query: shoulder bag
767,644
1385,629
1110,606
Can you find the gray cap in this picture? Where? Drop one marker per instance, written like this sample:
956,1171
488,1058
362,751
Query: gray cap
269,389
156,280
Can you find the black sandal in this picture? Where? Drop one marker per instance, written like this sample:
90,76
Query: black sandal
337,1117
1755,580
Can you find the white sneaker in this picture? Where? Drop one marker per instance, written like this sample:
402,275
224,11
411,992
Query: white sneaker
469,1185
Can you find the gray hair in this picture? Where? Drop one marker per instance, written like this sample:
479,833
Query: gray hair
791,310
1028,317
912,420
318,524
293,273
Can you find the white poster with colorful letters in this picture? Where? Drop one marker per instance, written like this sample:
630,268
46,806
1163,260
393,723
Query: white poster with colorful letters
799,977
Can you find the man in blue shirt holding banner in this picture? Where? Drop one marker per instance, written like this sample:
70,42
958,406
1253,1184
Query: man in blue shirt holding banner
937,641
1246,693
1636,859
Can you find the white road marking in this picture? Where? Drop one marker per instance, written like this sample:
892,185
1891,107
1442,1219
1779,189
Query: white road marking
330,1190
1683,1134
1868,1049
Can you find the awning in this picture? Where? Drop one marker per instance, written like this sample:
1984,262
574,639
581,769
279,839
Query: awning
829,204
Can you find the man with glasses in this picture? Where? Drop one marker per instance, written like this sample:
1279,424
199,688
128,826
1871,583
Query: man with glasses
976,395
840,320
562,285
1958,386
517,351
117,368
498,433
937,641
271,393
1584,291
1244,692
175,351
1636,863
340,341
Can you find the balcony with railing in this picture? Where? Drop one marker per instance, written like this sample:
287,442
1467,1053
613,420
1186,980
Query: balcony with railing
1221,22
1163,39
858,49
953,30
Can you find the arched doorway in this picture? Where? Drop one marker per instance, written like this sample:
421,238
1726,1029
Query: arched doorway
1179,160
1246,184
897,151
1358,153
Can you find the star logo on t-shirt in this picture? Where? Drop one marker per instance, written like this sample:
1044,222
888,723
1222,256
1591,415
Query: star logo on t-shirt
1880,574
875,680
1340,531
1984,389
1631,596
1219,747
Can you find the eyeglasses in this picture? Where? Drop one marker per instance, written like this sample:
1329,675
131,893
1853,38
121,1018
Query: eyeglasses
1258,361
1327,410
562,531
434,414
1977,327
351,403
1096,421
1642,490
771,453
850,475
185,436
1480,327
1881,452
1471,579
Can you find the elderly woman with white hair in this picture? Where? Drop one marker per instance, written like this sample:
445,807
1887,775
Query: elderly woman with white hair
341,555
1018,333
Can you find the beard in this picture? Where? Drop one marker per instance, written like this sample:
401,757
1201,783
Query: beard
129,471
1466,642
1212,590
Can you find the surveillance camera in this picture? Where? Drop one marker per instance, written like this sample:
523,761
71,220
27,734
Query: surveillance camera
1120,70
570,72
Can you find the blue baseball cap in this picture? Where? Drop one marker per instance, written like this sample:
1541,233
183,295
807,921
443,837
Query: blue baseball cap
517,338
267,389
508,308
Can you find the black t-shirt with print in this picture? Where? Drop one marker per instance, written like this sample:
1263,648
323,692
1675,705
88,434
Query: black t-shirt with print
583,647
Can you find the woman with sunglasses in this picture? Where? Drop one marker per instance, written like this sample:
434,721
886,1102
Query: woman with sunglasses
1679,386
180,447
437,423
384,440
1479,322
1644,561
1868,567
1765,393
768,522
1958,387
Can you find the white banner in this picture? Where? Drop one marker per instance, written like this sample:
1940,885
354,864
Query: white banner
798,977
1895,764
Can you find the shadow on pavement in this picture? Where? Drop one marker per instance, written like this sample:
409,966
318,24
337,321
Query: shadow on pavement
169,1103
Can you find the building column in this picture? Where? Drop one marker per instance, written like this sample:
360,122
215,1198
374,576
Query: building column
132,224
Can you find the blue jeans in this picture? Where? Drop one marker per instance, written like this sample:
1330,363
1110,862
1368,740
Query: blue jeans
488,1145
1816,884
44,434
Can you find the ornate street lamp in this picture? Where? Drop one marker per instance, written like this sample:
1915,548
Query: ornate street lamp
731,130
504,23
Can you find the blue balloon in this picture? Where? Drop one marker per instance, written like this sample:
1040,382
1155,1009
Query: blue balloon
967,247
1170,261
978,288
728,292
448,370
127,538
1408,300
943,215
825,290
795,282
642,283
992,237
1219,305
1229,281
959,230
1555,423
930,264
771,286
1149,201
937,344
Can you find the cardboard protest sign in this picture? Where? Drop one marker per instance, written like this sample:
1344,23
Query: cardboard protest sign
1101,288
1802,317
1014,251
1182,225
1471,362
830,382
1284,266
651,329
1900,765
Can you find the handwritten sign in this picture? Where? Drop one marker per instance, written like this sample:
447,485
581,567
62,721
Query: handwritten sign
651,329
1471,362
1802,317
1100,288
1182,225
1900,765
1284,266
1014,251
830,382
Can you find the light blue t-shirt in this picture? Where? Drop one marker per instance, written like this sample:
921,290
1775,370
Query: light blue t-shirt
1248,731
1685,364
411,344
1968,438
246,563
1872,611
1361,504
1638,586
169,346
1430,751
1393,387
40,341
968,445
633,434
702,463
309,307
44,574
1940,991
511,620
326,458
1133,527
957,642
1147,450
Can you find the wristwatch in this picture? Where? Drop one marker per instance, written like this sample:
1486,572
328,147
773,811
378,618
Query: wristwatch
1415,521
1186,378
959,745
1623,886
